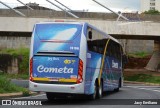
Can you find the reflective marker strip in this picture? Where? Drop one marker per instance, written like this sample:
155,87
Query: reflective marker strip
60,80
41,79
67,80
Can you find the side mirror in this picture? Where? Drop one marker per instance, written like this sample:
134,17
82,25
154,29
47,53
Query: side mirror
90,35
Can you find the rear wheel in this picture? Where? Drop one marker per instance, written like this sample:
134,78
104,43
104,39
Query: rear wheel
93,96
100,90
119,85
50,96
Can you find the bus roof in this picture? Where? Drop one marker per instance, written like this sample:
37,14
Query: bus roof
66,22
107,35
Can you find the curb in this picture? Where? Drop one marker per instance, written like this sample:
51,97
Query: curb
14,95
144,83
132,70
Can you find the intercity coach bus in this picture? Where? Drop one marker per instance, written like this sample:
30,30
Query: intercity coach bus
70,58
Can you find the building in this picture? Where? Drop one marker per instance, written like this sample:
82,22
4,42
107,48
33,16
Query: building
150,5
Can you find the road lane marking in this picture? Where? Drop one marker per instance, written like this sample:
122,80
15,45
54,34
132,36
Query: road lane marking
143,88
30,96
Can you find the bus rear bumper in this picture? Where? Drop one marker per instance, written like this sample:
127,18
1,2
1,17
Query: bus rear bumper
57,88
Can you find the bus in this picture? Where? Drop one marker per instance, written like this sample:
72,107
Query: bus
74,58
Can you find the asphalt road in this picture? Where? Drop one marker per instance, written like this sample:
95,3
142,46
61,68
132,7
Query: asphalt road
127,93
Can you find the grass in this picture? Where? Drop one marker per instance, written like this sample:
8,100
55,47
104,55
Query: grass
7,87
139,54
144,78
22,55
14,52
23,76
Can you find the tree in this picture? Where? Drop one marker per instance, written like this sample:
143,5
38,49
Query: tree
152,12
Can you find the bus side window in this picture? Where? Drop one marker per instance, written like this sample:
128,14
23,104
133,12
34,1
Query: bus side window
108,51
116,51
100,50
95,49
92,46
112,50
119,52
89,45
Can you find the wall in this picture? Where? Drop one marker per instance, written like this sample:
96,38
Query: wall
19,24
14,42
55,14
84,15
140,46
131,45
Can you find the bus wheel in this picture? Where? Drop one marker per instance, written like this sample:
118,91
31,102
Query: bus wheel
119,85
93,96
50,96
99,91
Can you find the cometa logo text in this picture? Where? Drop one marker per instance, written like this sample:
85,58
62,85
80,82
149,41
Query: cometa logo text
41,69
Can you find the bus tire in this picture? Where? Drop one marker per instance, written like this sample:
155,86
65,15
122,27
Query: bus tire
50,96
94,95
119,85
100,90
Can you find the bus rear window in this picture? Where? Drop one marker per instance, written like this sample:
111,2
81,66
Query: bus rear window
64,32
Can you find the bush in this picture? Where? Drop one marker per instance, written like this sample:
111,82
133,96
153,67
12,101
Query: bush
22,54
152,12
139,54
26,92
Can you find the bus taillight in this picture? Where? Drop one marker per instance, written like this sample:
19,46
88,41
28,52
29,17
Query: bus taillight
31,69
80,72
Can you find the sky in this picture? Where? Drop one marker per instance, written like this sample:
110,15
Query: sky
87,5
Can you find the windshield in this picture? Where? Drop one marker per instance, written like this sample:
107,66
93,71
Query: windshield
57,31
